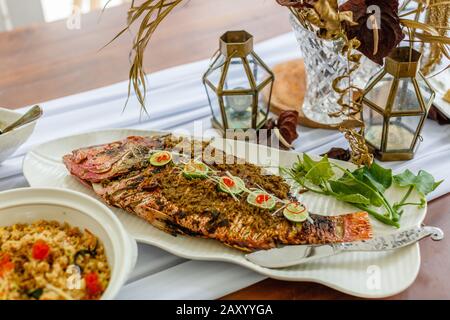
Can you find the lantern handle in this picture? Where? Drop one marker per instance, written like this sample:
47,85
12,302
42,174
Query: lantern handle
214,56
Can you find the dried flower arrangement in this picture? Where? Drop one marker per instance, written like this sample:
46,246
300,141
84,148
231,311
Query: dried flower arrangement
374,28
369,27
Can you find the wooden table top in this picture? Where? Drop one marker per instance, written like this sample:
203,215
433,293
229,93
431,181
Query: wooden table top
48,61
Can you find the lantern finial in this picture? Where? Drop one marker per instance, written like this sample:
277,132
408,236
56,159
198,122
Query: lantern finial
236,43
403,62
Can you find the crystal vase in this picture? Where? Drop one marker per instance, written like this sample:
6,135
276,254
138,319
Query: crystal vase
323,63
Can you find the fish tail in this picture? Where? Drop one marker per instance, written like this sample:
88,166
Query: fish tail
356,227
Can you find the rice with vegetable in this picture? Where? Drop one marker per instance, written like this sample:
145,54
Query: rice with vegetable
51,261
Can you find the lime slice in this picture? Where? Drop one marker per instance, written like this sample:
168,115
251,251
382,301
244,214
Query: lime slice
195,169
160,158
295,212
231,185
261,199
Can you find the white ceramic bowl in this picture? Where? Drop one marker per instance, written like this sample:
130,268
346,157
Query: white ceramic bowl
28,205
12,140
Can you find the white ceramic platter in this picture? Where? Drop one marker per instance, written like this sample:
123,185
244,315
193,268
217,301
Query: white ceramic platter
360,274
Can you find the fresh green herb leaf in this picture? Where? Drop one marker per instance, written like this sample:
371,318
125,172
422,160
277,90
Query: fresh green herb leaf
364,187
376,176
298,170
347,185
353,199
424,182
320,171
308,163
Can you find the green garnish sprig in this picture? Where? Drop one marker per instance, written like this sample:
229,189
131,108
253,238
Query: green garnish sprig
424,183
363,187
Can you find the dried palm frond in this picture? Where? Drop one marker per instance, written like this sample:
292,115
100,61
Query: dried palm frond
432,34
150,13
439,17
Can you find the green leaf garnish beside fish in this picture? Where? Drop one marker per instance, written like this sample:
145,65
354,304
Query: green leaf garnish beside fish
363,187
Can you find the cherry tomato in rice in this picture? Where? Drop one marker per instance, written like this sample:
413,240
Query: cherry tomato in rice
93,285
40,250
5,264
4,258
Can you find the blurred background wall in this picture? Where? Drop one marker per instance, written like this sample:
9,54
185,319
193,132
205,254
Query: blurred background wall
21,13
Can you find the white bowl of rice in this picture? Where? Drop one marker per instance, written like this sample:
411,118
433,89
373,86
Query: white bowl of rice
61,244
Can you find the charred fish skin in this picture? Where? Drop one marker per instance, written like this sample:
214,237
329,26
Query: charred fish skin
167,200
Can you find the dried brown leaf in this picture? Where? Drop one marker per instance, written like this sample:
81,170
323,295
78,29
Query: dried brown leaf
374,45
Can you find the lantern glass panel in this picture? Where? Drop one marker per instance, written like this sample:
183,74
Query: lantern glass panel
374,126
379,94
214,104
425,89
238,109
263,103
406,98
259,72
402,132
215,72
236,77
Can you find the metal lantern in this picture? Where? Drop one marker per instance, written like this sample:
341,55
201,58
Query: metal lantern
395,106
235,82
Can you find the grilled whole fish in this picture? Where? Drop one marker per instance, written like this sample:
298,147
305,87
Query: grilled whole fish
121,175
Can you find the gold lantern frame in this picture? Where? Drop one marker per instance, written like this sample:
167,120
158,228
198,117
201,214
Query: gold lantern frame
402,63
238,44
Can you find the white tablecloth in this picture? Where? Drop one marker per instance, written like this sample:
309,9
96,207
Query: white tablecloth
176,100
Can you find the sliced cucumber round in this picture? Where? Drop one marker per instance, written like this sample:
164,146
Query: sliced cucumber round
296,212
231,185
195,169
261,199
160,158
